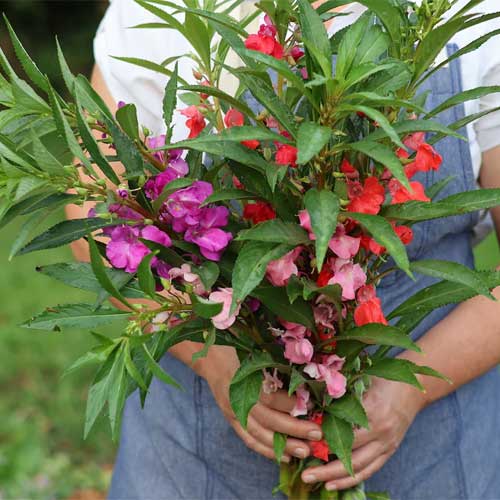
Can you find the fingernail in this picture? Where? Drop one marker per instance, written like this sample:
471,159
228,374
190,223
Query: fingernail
315,435
285,459
300,452
331,487
309,478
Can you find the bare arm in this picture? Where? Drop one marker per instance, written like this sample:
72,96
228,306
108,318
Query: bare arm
218,367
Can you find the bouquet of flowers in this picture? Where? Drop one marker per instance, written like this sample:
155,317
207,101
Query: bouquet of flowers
270,227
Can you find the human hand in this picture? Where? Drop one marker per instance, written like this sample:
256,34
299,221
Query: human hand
391,407
271,414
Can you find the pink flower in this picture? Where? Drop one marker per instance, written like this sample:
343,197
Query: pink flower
212,241
301,403
349,276
271,383
279,271
324,315
224,319
305,223
294,329
329,372
298,351
188,277
343,245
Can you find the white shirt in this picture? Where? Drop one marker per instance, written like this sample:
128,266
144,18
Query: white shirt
145,88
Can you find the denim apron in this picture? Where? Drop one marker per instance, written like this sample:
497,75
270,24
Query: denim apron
181,447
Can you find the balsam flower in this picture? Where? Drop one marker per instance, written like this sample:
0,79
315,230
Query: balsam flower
401,195
342,245
329,372
224,319
349,276
369,309
279,271
271,383
195,121
286,155
301,406
235,118
259,211
366,198
186,274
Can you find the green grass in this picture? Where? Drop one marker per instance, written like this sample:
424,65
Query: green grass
42,452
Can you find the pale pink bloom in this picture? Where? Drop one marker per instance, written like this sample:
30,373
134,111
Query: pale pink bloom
298,351
224,319
329,372
305,222
271,383
159,320
301,403
343,245
349,276
324,315
184,272
279,271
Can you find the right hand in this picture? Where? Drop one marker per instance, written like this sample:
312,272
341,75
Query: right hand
271,414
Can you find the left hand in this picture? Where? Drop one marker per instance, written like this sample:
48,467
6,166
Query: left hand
391,407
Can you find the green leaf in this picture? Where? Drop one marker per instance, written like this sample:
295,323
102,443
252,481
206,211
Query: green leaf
313,30
45,159
339,436
126,150
90,99
296,380
279,445
65,232
145,275
394,369
258,362
228,195
377,495
68,77
170,98
276,300
132,369
350,409
250,266
74,316
454,272
27,63
323,208
379,334
349,45
434,190
210,338
383,233
144,63
205,308
158,371
384,155
311,139
91,144
208,272
126,116
275,231
392,78
244,395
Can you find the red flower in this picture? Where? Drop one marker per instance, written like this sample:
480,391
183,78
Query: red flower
297,53
319,449
234,118
366,199
427,158
286,155
404,233
258,212
325,276
196,121
371,245
323,335
265,44
415,140
237,183
348,169
401,195
369,311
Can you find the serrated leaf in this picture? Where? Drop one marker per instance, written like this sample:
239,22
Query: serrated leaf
323,208
68,77
228,195
126,116
350,409
170,99
158,371
379,334
275,231
205,308
244,394
383,233
394,369
339,436
211,337
145,275
74,316
258,362
311,139
296,380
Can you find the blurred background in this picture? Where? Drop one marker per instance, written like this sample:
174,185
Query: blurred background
42,452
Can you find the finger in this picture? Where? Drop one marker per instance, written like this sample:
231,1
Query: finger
335,470
366,473
279,400
293,447
255,445
362,437
278,421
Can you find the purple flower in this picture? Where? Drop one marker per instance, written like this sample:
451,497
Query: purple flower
126,251
212,242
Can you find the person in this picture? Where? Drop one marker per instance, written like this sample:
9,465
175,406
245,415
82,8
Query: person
441,444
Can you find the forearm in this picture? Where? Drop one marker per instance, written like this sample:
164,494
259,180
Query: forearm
463,346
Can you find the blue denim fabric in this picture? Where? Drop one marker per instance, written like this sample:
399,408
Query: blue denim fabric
181,447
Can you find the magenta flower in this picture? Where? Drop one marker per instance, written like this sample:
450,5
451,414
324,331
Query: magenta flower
224,319
302,402
343,245
279,271
349,276
212,241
